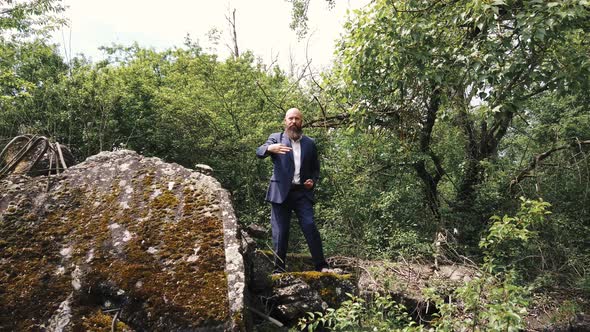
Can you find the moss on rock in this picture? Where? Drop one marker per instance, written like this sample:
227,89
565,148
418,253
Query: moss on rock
119,231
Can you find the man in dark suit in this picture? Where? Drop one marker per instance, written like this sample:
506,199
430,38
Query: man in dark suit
296,170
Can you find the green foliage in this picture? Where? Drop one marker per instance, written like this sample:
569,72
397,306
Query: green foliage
508,235
448,78
487,303
367,203
495,300
382,313
28,18
299,17
28,63
555,122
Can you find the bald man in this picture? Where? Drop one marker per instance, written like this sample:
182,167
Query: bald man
296,169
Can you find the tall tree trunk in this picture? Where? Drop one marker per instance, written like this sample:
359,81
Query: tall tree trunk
430,181
482,144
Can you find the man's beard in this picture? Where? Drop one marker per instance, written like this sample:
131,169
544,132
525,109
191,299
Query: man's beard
294,132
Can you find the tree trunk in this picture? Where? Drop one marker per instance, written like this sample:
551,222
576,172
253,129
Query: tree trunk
430,181
482,144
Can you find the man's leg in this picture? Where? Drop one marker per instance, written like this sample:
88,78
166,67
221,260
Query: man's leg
280,217
304,209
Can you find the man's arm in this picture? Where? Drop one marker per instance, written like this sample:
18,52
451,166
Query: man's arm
271,146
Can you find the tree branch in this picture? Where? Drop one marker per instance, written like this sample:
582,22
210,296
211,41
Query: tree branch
416,10
328,121
536,161
232,24
268,97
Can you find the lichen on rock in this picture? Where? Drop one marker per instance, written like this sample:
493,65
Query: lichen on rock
117,233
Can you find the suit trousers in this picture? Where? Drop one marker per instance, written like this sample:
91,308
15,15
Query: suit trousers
280,221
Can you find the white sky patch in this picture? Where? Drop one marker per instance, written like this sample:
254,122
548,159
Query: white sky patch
262,27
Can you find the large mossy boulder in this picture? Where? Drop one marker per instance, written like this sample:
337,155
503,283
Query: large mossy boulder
119,240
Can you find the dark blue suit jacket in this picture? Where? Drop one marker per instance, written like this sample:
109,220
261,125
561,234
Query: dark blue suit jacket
284,166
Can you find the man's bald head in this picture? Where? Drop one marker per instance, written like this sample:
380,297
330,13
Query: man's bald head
294,112
293,123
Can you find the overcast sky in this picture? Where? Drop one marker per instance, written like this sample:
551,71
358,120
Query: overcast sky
262,26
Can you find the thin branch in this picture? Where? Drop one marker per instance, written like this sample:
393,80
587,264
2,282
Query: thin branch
265,316
269,98
536,161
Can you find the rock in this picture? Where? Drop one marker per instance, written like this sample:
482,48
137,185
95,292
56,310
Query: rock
331,287
294,298
259,268
154,243
289,296
405,282
256,231
205,169
457,273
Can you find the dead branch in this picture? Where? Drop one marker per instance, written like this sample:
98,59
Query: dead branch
537,159
269,98
329,121
234,36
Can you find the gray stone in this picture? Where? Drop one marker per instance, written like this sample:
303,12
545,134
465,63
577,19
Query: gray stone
153,241
294,298
205,169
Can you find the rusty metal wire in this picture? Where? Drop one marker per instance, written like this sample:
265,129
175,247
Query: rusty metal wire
32,148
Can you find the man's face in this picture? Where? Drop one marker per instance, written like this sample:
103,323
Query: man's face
293,118
293,124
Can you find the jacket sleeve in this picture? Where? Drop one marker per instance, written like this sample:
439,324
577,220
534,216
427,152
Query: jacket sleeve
262,151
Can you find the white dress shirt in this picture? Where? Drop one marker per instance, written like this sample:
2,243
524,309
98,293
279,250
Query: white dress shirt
296,145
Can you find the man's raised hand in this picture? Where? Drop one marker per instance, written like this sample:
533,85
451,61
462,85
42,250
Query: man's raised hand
278,148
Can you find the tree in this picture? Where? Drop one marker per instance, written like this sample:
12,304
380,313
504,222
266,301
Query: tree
412,66
28,62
